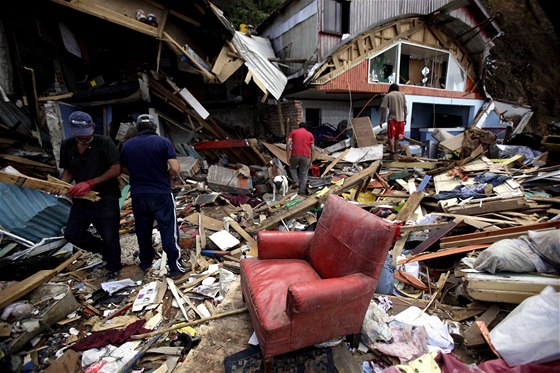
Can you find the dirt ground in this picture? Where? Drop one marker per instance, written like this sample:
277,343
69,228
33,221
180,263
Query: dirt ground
526,59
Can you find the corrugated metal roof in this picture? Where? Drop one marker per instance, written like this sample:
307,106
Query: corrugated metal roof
32,214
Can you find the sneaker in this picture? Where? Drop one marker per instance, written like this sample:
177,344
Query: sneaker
176,274
112,276
145,268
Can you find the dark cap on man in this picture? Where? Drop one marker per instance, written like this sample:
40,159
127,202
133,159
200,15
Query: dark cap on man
145,122
81,124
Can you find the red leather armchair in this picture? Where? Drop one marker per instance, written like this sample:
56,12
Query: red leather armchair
310,287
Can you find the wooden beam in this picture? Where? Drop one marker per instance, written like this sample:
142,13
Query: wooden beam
42,185
439,254
436,236
493,236
333,163
410,205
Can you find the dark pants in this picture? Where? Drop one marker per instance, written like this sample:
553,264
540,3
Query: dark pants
105,217
150,207
299,168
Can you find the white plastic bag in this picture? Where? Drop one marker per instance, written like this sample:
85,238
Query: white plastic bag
531,332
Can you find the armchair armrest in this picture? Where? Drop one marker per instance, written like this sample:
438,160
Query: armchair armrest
283,245
311,296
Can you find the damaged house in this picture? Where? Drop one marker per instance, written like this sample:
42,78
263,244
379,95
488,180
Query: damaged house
341,56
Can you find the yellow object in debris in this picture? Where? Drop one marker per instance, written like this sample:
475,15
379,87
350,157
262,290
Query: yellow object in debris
425,363
188,329
366,197
339,182
322,192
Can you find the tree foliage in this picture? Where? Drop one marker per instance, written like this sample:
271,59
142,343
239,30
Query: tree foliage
251,12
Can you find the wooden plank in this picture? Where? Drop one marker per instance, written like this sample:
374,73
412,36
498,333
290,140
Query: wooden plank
344,361
311,201
411,204
18,289
454,143
502,296
363,132
472,335
208,222
439,254
226,64
246,236
423,165
177,297
104,11
410,280
489,239
526,282
42,185
489,206
333,163
28,162
399,246
522,229
277,152
436,236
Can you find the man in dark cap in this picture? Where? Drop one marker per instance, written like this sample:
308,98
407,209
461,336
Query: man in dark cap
92,162
150,160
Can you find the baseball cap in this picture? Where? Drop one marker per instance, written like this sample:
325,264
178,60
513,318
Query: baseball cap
146,122
81,124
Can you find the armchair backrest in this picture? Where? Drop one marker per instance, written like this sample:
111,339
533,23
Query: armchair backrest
349,240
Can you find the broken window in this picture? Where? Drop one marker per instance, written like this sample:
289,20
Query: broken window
336,16
382,68
419,66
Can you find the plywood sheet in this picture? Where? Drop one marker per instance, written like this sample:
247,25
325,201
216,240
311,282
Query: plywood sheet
363,132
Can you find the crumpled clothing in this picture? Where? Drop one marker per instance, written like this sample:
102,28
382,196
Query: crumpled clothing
463,192
492,178
409,342
113,337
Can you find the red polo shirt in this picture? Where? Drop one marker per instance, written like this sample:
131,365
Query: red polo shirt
301,142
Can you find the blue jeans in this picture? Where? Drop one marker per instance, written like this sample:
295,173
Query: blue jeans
386,283
299,168
150,207
105,217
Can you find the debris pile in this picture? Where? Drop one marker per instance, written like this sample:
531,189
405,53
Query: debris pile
479,238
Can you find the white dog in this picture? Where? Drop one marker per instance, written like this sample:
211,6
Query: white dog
280,184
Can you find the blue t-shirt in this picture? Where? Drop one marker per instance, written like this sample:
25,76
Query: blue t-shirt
145,156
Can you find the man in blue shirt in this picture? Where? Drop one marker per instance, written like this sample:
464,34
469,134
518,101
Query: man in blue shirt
150,160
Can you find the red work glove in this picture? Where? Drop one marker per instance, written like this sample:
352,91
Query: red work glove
81,189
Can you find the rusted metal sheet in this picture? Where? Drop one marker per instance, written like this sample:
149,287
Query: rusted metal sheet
235,150
228,180
32,214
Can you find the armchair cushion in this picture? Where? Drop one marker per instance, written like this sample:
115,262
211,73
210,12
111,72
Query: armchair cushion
283,245
312,296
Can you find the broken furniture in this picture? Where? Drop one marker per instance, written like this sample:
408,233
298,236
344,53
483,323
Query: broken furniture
310,287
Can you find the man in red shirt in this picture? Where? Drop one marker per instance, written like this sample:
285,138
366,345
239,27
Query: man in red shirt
393,109
300,155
